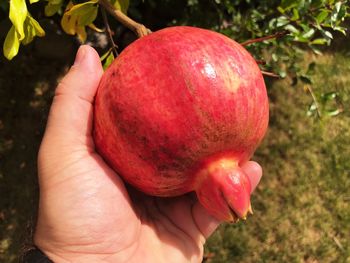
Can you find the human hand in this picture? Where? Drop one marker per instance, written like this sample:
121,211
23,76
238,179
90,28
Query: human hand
86,214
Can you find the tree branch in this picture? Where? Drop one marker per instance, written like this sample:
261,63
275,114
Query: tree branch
315,100
139,29
109,32
277,35
270,74
260,62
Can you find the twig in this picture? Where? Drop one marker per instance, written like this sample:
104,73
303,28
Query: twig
315,100
109,32
277,35
139,29
260,62
270,74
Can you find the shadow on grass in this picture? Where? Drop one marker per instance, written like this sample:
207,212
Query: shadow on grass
27,86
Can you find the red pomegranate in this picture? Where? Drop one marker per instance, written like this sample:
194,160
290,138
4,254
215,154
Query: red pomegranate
180,110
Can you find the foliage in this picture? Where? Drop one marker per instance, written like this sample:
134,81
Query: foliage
305,24
309,22
75,17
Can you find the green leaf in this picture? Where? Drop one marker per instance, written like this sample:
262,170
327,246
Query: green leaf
306,79
327,34
278,22
335,11
332,113
309,33
295,14
288,4
316,50
312,109
105,55
319,41
280,9
33,1
274,57
18,14
301,39
121,5
317,3
311,68
329,96
282,73
108,58
340,29
281,21
292,29
11,44
322,16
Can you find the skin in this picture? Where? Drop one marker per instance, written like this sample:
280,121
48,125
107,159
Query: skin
86,213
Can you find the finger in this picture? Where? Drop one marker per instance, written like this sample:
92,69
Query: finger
71,111
254,172
205,222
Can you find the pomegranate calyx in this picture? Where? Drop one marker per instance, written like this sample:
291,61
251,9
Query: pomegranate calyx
224,190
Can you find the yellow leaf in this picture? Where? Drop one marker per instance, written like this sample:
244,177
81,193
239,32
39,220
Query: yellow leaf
81,32
18,14
68,22
31,28
76,17
75,8
29,32
55,2
33,1
95,28
85,13
121,5
51,9
11,44
39,31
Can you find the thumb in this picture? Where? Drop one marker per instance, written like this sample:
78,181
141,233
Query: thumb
69,125
70,116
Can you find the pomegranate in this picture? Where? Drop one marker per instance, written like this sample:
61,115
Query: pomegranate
181,110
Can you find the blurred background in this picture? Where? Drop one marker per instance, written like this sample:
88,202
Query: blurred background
302,205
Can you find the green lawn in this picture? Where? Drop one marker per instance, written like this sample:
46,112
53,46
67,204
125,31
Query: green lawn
302,206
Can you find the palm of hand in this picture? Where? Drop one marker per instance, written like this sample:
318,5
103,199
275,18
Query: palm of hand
85,212
94,216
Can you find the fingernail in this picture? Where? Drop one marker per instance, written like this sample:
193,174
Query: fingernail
80,55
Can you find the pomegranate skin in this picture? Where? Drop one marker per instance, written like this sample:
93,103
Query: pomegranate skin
176,102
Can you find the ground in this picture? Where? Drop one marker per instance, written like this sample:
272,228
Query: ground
301,207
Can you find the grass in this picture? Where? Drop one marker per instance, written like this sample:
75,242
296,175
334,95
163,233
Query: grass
302,206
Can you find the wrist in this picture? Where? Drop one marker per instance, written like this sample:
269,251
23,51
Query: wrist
59,253
35,255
